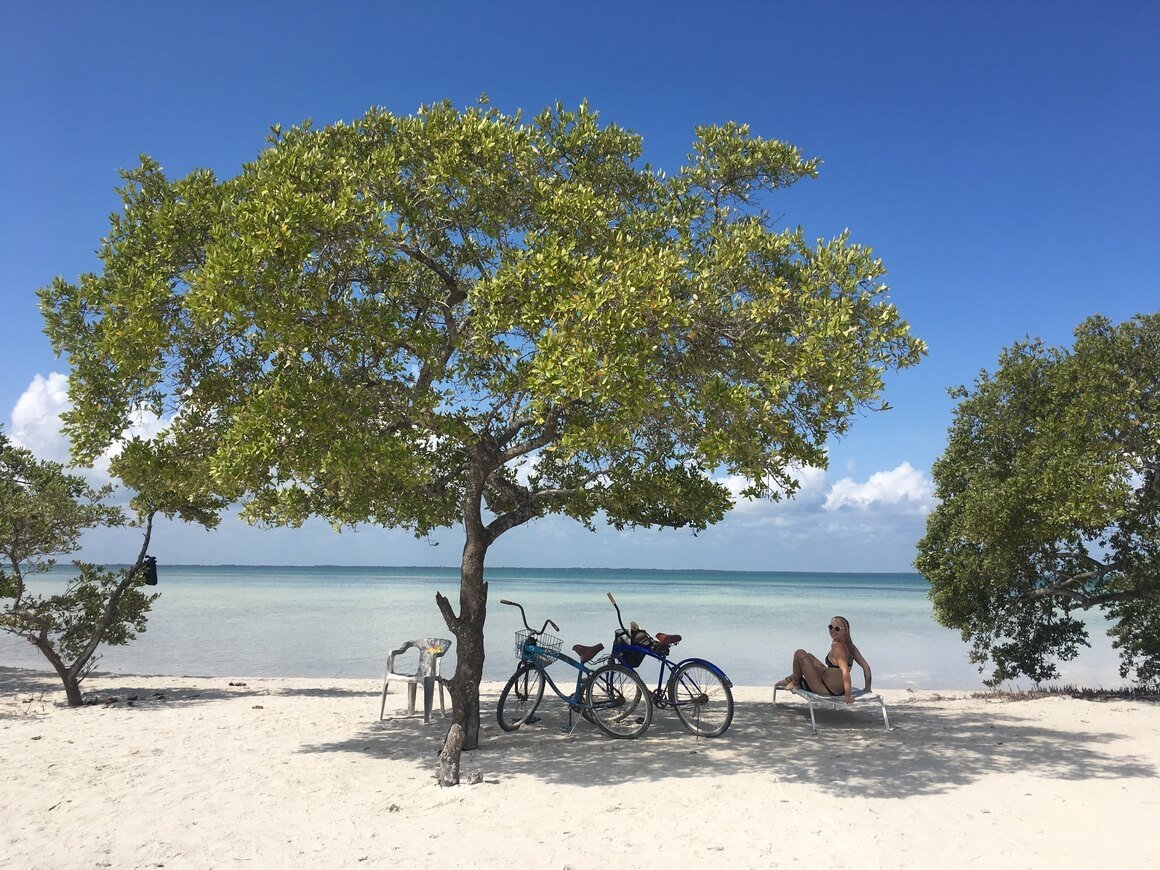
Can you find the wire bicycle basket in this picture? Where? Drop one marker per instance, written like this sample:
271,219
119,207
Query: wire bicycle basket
548,644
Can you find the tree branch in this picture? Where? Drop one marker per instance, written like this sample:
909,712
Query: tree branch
114,599
549,433
456,293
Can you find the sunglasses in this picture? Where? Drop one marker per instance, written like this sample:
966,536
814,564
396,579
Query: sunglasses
835,627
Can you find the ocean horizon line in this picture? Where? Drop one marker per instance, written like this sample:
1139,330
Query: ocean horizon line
574,568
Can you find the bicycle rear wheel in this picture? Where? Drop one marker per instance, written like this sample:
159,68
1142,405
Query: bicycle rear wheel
618,701
520,697
703,701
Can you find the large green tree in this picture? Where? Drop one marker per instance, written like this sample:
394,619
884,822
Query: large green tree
1050,489
463,317
44,510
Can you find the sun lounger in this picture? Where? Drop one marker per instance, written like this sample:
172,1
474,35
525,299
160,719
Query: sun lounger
836,702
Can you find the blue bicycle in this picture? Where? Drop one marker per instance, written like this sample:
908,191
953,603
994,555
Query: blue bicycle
612,696
696,689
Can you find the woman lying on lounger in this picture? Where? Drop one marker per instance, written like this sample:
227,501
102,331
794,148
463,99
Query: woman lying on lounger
833,676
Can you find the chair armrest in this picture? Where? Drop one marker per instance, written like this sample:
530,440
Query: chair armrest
397,652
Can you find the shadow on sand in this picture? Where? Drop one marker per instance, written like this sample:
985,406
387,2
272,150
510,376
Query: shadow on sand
44,688
936,746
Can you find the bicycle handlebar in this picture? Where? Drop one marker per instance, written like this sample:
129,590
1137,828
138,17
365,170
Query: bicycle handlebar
524,617
619,618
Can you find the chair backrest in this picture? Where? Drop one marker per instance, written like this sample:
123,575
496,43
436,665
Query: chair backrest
430,649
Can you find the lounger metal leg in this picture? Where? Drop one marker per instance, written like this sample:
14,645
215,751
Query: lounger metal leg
813,719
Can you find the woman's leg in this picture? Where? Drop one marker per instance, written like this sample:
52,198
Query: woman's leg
804,665
794,680
808,666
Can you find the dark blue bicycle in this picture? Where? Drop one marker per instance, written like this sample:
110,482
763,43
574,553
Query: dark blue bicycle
696,689
613,697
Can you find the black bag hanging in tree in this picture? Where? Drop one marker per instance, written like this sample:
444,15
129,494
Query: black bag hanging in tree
150,571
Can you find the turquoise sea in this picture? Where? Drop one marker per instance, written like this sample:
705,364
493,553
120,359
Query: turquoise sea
341,621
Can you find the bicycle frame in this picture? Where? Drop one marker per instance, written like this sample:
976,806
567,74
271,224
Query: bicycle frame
665,672
533,652
607,694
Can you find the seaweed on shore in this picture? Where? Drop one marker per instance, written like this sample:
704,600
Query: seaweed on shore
1128,693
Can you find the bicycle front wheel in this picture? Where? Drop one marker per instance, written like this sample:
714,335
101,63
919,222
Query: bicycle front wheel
703,701
618,701
520,697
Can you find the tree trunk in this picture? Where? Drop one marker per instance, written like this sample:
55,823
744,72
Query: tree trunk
468,631
449,757
467,626
72,690
68,676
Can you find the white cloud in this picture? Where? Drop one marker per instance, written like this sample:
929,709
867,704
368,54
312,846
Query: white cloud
36,417
811,490
904,487
526,466
36,425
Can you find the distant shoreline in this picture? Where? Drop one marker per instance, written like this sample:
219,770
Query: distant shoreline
573,569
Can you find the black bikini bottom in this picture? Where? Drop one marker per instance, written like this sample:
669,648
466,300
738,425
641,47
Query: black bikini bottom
806,686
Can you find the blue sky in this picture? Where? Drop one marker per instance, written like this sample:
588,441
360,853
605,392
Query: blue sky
1000,157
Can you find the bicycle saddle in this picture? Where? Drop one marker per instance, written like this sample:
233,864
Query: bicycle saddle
586,653
670,639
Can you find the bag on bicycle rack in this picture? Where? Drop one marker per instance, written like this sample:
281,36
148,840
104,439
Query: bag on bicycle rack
640,637
630,657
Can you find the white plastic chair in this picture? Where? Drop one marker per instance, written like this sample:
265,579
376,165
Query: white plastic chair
427,673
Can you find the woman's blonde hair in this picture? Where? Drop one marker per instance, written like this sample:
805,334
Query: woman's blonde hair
849,640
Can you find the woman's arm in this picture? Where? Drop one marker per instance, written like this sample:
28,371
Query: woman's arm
842,659
865,665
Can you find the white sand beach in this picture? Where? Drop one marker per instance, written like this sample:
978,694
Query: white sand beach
182,772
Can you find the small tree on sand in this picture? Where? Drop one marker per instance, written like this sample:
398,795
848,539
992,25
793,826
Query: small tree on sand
1050,488
459,318
43,512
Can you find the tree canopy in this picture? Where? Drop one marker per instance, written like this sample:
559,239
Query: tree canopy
463,317
1050,503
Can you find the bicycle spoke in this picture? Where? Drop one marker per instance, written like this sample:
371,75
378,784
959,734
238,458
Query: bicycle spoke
618,701
520,697
703,701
